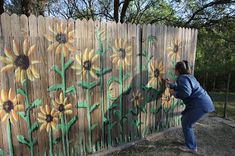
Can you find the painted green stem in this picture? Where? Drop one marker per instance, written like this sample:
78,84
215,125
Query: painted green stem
89,118
30,135
102,102
50,142
63,119
109,124
121,101
9,138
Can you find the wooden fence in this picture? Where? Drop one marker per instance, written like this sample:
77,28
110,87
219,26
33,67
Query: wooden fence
116,96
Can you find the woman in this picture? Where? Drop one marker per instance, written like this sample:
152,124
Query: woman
198,102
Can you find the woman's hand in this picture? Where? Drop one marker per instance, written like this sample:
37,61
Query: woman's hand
171,91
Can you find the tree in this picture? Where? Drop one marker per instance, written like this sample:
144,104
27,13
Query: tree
1,6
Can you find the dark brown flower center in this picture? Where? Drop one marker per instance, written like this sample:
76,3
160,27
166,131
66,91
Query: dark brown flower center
61,38
122,53
156,73
22,61
176,48
168,98
137,98
61,108
49,118
87,65
8,106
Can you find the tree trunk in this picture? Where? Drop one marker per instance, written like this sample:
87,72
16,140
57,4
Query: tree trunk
116,8
124,8
226,96
26,7
1,6
214,82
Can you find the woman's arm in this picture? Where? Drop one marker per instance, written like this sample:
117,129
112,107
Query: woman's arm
183,88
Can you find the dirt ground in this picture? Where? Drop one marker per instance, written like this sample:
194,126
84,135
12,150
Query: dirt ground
215,137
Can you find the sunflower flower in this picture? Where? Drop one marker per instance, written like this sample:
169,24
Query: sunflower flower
122,53
174,49
63,38
87,64
47,118
137,98
156,71
167,99
10,105
21,62
62,105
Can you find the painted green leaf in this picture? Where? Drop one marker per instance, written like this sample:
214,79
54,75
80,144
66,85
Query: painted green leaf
127,89
87,85
105,120
145,88
58,127
82,104
71,89
93,126
34,127
22,115
71,122
105,71
22,140
56,69
36,103
68,64
21,91
126,76
118,114
113,79
113,106
54,141
55,87
134,111
113,124
94,107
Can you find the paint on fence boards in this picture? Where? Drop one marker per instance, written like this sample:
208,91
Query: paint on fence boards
77,87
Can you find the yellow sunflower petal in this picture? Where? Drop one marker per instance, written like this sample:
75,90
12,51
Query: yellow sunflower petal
48,111
70,47
4,96
11,94
42,109
5,117
35,62
61,97
59,49
41,116
43,126
91,54
26,46
85,56
19,108
92,72
22,76
15,115
52,47
48,126
30,74
32,49
2,112
6,60
93,59
41,120
78,58
68,106
68,112
9,53
35,72
16,48
120,43
12,120
116,44
49,37
53,124
17,74
7,67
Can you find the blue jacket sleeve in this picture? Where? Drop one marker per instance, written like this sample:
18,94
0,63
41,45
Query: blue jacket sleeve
183,89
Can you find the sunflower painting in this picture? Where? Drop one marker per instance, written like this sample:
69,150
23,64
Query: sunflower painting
47,118
122,53
167,99
63,38
156,71
62,105
174,49
87,64
21,62
10,105
137,98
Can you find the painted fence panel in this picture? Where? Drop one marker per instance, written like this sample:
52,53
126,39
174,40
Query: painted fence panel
77,87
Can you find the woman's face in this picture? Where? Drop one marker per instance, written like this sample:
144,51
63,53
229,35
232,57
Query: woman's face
177,72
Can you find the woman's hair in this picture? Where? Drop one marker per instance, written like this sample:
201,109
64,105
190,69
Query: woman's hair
182,67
